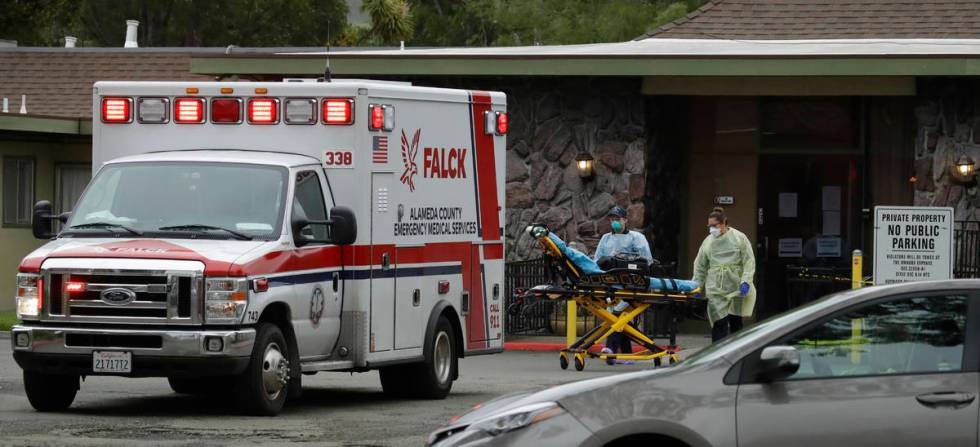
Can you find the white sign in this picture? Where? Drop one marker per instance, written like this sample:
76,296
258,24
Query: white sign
912,244
828,247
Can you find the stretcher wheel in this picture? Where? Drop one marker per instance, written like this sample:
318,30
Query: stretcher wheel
563,360
673,359
579,362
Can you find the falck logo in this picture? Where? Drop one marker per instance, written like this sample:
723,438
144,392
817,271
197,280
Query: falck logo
117,296
409,151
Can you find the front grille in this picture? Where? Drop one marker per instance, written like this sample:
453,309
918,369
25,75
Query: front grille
147,297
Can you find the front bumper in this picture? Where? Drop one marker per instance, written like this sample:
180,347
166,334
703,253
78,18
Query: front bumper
156,352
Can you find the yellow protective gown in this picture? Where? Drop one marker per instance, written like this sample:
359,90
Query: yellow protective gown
722,265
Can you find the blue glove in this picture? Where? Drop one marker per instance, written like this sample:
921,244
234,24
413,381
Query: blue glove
744,289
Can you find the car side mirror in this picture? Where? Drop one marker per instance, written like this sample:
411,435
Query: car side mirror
777,363
41,220
340,229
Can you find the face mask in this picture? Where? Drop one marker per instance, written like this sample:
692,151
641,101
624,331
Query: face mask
714,231
617,226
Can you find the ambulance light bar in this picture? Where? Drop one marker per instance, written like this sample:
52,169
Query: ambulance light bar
230,110
189,110
338,111
117,110
382,117
263,111
495,123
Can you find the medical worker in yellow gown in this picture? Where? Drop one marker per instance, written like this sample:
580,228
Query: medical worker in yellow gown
724,268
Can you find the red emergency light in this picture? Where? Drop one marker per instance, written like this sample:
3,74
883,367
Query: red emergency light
189,110
117,110
226,110
263,111
338,111
74,287
501,123
40,295
377,116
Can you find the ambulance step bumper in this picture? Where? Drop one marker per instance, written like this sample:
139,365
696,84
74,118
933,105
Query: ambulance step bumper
155,353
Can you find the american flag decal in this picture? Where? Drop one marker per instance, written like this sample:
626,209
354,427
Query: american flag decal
379,149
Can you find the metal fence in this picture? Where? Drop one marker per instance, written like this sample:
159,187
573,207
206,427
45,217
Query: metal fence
966,247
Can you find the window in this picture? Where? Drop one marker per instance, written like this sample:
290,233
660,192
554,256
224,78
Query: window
810,123
907,335
18,191
308,202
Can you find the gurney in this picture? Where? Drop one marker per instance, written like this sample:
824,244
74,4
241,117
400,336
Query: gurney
577,277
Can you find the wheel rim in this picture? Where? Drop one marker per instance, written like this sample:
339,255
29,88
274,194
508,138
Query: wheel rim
275,371
442,357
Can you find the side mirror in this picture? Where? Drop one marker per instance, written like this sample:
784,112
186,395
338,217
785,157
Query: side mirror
41,220
778,362
344,228
340,229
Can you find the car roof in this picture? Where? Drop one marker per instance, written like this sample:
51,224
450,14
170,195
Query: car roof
872,292
284,159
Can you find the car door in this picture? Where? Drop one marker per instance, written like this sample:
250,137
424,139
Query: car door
900,371
318,290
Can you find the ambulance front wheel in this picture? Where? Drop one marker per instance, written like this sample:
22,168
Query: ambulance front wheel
265,382
50,392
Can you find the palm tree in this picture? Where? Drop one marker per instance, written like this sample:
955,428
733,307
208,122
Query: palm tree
391,20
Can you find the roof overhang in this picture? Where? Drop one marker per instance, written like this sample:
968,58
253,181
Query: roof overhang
45,124
650,57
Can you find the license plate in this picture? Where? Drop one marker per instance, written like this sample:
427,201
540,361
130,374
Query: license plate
112,362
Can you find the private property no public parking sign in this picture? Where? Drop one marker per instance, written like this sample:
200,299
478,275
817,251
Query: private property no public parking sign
912,244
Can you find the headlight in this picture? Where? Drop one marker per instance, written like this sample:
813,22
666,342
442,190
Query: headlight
28,298
225,300
518,418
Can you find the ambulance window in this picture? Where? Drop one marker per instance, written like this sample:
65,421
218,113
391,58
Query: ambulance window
308,201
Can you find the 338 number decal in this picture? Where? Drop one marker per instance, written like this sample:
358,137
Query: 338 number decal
338,159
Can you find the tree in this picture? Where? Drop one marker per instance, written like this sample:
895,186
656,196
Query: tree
391,20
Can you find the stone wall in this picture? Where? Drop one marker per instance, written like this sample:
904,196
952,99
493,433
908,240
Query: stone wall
948,125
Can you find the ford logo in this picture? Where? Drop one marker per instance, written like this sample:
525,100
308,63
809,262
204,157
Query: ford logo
117,296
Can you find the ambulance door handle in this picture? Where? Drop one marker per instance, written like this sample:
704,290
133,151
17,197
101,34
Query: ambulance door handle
385,261
416,298
464,302
336,281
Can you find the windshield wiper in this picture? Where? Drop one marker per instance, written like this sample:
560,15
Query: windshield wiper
238,235
107,225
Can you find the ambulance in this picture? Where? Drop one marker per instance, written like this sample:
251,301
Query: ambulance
236,236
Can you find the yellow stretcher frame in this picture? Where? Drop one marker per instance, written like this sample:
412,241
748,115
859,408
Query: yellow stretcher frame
596,300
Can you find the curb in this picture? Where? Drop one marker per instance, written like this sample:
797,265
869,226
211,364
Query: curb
555,347
5,335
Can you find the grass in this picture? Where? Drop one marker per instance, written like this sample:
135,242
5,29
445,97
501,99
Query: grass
8,318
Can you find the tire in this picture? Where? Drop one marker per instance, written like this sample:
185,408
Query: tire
264,384
50,392
432,378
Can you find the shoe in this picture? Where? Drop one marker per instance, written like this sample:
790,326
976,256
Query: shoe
608,351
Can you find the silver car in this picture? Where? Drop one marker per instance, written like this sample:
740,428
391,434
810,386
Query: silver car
891,365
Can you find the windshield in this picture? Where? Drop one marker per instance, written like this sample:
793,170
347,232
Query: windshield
751,333
146,197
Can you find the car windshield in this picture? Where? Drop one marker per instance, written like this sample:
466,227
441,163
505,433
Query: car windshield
752,333
199,199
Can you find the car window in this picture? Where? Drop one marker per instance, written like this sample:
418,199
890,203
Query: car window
308,200
901,336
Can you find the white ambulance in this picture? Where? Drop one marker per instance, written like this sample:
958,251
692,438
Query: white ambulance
239,235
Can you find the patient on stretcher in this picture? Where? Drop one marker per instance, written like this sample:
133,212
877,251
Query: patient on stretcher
589,268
